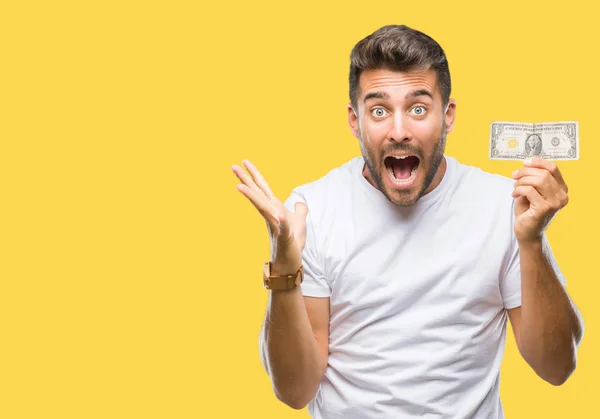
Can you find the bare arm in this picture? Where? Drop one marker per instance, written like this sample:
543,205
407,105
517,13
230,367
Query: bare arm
294,343
548,328
294,339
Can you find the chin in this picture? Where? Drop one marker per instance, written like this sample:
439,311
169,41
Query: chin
403,178
404,198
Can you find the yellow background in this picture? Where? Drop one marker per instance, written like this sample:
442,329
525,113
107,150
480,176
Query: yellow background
130,265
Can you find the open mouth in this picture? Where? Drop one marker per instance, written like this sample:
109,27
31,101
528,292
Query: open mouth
402,169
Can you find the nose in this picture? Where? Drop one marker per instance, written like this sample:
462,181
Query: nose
399,131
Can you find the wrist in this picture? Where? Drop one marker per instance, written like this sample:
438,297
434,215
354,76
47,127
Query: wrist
530,244
282,277
284,268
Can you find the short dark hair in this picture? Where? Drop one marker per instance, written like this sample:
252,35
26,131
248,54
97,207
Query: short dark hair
398,48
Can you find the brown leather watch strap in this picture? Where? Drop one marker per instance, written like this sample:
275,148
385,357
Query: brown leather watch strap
281,282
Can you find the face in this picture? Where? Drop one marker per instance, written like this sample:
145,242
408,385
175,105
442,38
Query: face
533,140
401,126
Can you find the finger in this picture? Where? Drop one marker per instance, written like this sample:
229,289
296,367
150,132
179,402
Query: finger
547,186
545,164
529,171
299,212
553,196
258,200
258,178
244,177
300,209
298,216
532,195
248,181
286,230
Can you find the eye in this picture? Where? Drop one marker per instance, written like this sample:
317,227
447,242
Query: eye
379,112
419,110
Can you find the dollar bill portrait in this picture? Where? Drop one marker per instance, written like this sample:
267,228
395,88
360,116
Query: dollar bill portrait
533,145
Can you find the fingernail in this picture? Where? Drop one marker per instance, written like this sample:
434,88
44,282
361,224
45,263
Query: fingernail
515,173
528,161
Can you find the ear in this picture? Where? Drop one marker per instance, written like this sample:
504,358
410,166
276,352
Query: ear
353,121
450,115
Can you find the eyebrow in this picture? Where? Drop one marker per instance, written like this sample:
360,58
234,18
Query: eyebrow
417,93
375,95
384,95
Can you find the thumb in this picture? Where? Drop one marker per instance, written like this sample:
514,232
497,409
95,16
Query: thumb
521,205
301,209
285,230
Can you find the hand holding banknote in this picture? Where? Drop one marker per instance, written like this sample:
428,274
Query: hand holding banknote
540,190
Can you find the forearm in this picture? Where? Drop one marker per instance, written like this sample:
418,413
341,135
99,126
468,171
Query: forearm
289,349
551,328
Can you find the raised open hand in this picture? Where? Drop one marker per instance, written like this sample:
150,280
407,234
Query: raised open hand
287,230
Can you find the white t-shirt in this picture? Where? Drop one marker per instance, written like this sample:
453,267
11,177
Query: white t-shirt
417,294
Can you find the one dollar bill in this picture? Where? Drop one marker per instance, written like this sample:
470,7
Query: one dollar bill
548,140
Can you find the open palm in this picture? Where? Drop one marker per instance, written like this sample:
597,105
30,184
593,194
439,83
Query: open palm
287,230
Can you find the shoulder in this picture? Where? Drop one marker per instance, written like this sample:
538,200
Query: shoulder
329,187
474,179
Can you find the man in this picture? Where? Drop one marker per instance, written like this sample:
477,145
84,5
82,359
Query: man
533,145
411,261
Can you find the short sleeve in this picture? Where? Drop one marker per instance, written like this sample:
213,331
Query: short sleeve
510,281
314,284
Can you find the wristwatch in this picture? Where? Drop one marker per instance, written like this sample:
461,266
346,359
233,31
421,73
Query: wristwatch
281,282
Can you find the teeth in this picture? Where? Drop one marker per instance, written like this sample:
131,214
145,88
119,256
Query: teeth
398,181
399,157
